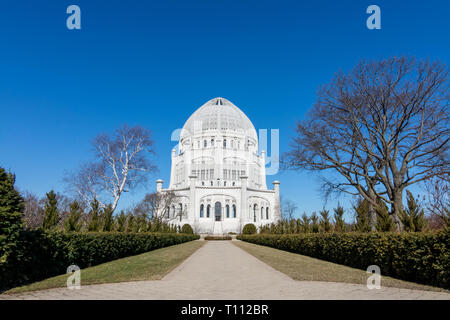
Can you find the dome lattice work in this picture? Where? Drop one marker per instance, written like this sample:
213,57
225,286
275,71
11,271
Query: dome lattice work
218,114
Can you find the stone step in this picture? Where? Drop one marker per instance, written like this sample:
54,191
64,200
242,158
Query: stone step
217,228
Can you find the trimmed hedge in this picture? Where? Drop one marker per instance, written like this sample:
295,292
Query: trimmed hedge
187,229
418,257
39,255
249,228
218,238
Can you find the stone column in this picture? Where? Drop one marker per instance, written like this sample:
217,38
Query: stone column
277,205
187,165
172,170
192,214
243,210
263,170
159,183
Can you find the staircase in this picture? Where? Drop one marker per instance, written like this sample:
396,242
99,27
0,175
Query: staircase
217,227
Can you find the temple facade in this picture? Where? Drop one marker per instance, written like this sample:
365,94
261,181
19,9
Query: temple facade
218,175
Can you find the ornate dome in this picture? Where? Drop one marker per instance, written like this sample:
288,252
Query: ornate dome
219,114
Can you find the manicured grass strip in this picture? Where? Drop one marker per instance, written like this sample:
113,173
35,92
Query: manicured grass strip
152,265
36,255
305,268
419,257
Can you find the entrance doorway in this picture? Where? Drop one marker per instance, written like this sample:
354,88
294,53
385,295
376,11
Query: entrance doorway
218,211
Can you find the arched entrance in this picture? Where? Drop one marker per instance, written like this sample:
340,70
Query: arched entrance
218,211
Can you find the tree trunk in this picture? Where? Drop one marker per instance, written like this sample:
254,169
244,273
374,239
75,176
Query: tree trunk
372,217
114,205
397,209
372,213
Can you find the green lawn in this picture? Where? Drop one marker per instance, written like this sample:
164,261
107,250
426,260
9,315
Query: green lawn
152,265
300,267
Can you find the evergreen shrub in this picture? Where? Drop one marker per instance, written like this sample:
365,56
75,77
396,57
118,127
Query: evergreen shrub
42,254
249,228
224,237
422,257
187,229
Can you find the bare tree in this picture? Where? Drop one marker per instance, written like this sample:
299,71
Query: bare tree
63,208
289,209
121,165
438,197
156,205
33,212
379,129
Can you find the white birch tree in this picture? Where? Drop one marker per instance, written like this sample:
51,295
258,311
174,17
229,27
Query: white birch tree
121,164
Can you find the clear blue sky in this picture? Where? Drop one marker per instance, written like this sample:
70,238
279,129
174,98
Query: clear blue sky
153,63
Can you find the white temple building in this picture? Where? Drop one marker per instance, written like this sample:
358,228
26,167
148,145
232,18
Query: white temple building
218,174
